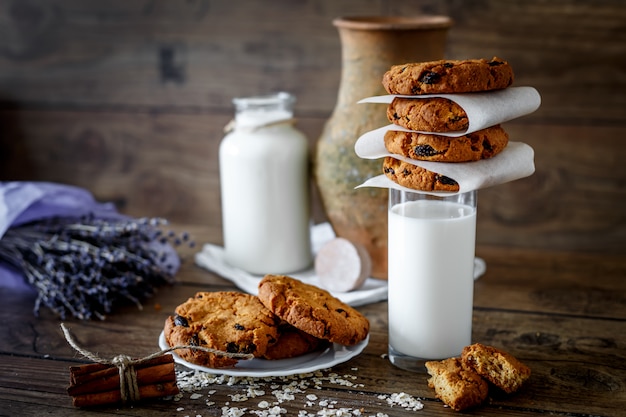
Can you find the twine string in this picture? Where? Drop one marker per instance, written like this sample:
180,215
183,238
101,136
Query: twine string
129,387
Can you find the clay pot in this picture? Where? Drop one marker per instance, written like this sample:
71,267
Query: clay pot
370,46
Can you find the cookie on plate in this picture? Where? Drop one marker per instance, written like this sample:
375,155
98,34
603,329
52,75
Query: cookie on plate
457,386
448,76
498,367
313,310
293,342
475,146
436,114
227,321
417,178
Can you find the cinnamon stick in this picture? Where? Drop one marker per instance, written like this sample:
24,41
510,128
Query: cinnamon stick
98,384
114,396
110,381
82,374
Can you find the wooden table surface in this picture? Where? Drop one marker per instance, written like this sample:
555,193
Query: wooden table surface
563,314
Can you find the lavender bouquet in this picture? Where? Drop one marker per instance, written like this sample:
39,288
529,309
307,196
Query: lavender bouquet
82,258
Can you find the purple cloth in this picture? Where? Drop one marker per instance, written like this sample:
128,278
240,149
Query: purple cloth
23,202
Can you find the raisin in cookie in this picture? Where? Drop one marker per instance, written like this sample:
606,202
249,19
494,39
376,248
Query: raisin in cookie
498,367
417,178
435,114
227,321
482,144
313,310
448,76
457,386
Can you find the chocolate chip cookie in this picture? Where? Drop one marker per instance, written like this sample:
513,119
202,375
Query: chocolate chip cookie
293,342
448,76
435,114
313,310
417,178
227,321
482,144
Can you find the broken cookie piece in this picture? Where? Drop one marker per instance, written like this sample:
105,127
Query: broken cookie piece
457,386
498,367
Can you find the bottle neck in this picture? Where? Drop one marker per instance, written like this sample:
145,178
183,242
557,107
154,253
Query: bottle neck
260,111
255,120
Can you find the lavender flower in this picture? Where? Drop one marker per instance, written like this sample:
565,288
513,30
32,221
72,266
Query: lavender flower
85,267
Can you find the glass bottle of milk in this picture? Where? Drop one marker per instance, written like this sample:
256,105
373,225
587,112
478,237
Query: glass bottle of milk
264,178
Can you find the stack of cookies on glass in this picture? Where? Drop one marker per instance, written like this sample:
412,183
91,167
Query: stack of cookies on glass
427,121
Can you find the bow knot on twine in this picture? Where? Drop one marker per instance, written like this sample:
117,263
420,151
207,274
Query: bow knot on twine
129,388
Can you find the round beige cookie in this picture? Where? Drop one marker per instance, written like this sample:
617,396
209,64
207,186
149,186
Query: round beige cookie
227,321
313,310
435,114
293,342
417,178
448,76
483,144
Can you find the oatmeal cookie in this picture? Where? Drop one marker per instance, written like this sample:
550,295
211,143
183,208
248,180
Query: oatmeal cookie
313,310
482,144
417,178
435,114
457,386
498,367
448,76
293,342
227,321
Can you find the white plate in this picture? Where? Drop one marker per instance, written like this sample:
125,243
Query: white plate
310,362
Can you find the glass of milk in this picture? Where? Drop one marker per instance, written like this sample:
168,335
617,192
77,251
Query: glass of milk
431,276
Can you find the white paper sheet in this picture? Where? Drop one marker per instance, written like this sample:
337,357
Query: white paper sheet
483,109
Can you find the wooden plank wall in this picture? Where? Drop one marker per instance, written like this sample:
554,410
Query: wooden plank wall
129,97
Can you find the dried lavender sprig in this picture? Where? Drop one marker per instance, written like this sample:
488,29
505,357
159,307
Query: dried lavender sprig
85,267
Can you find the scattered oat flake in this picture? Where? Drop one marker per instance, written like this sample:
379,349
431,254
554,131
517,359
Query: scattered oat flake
285,389
238,397
233,412
405,400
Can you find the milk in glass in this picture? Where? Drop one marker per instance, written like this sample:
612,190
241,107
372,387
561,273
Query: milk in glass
431,262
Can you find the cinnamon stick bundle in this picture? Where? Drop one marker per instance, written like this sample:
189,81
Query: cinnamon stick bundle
99,384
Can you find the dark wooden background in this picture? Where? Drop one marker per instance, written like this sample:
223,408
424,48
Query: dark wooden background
128,98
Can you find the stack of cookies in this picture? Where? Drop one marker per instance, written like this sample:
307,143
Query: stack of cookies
463,382
437,115
288,318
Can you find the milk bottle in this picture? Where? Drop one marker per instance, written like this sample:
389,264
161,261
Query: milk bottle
264,180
